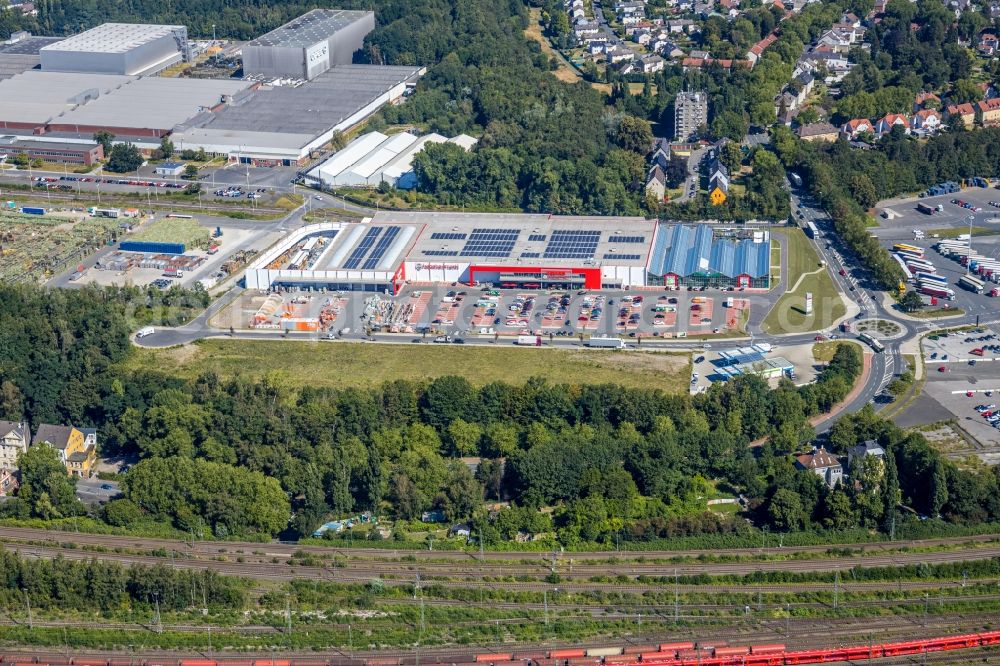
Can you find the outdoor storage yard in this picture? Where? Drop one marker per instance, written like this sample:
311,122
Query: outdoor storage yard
319,363
33,247
175,230
505,314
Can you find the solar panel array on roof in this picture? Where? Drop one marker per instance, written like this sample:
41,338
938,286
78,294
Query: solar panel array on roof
626,239
383,245
362,249
490,243
623,257
537,237
572,244
444,235
441,253
530,255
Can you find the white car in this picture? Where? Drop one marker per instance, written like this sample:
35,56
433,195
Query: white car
318,198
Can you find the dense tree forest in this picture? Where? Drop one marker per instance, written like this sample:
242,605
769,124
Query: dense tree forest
71,585
236,457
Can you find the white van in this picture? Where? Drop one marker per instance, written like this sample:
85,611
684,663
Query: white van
143,332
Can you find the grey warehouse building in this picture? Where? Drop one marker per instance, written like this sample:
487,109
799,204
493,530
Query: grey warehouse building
309,45
118,48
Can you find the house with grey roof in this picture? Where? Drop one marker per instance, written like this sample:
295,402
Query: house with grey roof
15,437
823,464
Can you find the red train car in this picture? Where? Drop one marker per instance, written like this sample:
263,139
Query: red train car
731,651
640,649
494,657
575,653
769,648
989,638
674,647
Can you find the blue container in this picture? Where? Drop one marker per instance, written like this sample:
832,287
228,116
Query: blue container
29,210
153,247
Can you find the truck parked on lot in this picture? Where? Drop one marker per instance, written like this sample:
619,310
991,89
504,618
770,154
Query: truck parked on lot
927,209
144,331
606,343
32,210
529,340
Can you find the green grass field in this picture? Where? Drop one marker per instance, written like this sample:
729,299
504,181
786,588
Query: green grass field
175,230
294,363
955,232
788,314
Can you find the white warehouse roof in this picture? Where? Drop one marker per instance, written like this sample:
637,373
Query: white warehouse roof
113,38
375,157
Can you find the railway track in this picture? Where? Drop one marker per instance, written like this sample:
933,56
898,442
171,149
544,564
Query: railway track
598,558
39,196
445,575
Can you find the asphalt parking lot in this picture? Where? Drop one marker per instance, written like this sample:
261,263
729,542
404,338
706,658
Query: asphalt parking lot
460,310
952,376
907,217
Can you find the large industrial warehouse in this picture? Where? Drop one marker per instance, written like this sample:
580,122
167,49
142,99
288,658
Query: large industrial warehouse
102,79
118,48
392,249
309,45
284,124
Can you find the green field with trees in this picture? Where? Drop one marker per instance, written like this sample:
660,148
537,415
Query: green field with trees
235,456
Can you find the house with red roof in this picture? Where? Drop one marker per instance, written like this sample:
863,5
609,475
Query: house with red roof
926,120
926,100
890,120
965,111
757,50
852,129
989,110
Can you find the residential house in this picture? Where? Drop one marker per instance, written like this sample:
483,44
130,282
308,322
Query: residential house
651,63
656,183
461,530
661,152
965,112
643,37
926,120
682,25
822,131
854,128
618,53
77,449
699,54
834,41
989,111
757,50
785,103
597,46
926,100
699,63
718,179
579,13
886,123
864,450
730,8
989,45
583,28
823,464
837,65
667,48
850,19
8,482
15,437
630,7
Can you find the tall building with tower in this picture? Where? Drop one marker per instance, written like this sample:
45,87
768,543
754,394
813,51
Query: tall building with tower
309,45
690,113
